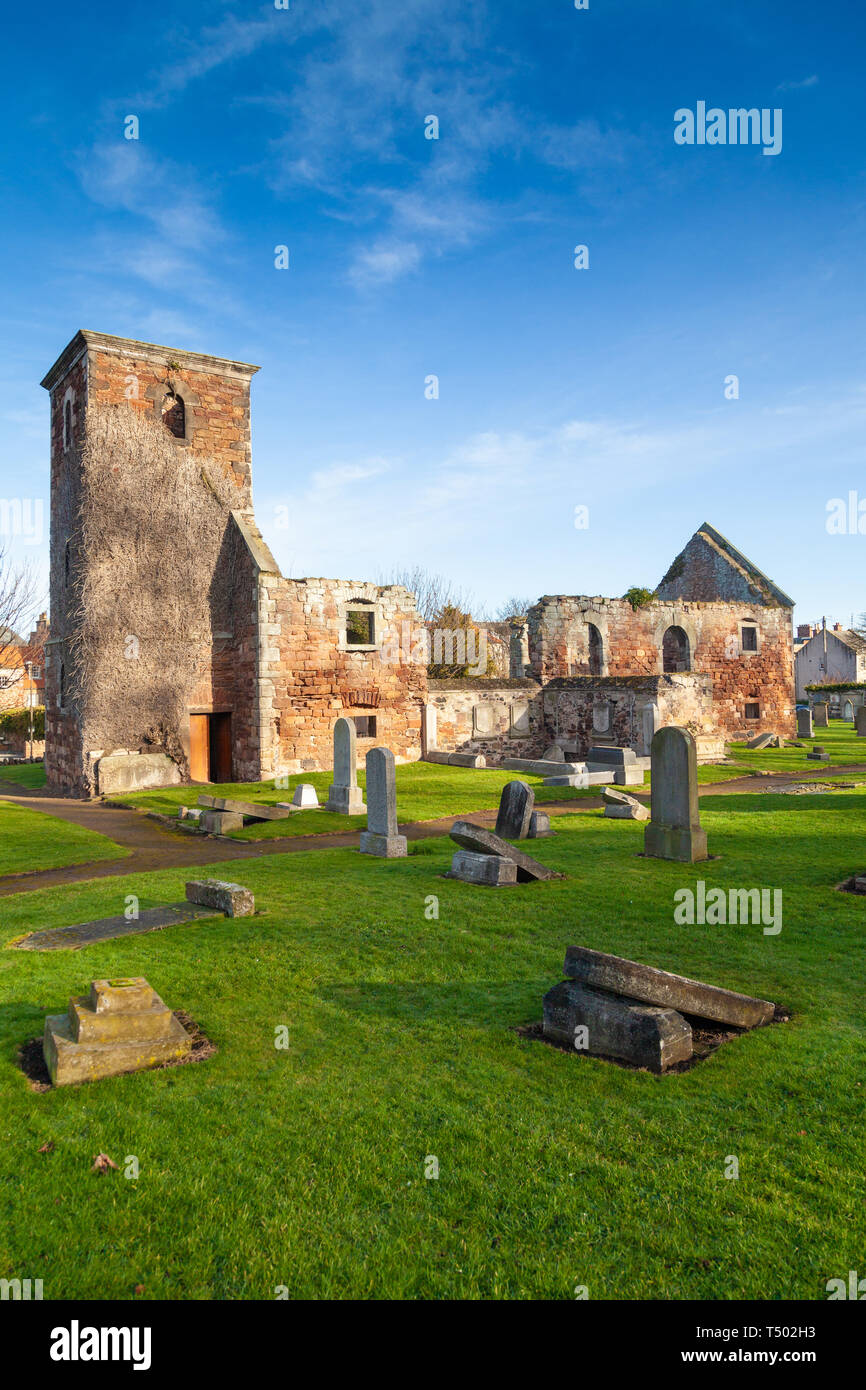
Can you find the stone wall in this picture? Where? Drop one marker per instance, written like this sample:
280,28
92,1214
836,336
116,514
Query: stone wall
631,643
581,712
310,676
499,718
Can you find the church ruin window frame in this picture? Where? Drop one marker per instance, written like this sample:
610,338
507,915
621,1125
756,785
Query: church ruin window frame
689,650
367,608
749,625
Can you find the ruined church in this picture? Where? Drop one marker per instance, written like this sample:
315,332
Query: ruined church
179,652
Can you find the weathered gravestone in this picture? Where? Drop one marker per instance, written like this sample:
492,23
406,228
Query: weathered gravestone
305,796
344,795
479,841
619,806
605,1025
539,825
822,715
804,723
231,898
515,811
674,831
381,837
553,754
665,990
122,1025
860,722
487,869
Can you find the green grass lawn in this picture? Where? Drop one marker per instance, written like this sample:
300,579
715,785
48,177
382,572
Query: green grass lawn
24,774
31,840
305,1167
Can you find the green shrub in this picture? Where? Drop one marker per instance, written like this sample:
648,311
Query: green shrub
16,723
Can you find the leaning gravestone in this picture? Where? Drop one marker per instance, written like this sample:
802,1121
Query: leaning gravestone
381,837
674,831
344,795
479,841
804,723
860,722
515,811
822,716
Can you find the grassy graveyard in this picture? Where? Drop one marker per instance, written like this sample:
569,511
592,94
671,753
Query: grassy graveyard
31,840
305,1166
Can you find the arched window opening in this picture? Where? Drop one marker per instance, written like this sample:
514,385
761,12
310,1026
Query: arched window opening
66,563
174,414
67,423
676,655
596,651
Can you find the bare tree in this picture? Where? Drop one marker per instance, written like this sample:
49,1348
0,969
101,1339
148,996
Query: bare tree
18,599
433,592
514,607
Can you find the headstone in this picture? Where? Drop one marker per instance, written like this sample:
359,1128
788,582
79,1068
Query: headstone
539,825
220,822
229,898
122,1025
553,754
515,811
818,754
618,756
761,741
486,869
479,841
804,723
609,1026
344,795
381,837
860,721
652,986
822,715
305,796
674,831
618,806
568,779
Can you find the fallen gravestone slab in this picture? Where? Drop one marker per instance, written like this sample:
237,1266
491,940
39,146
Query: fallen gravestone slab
121,1026
602,1024
486,869
541,767
220,822
761,741
660,987
229,898
257,810
107,928
618,806
515,811
568,779
479,841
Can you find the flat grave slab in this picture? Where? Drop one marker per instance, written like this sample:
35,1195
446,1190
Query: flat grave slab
85,933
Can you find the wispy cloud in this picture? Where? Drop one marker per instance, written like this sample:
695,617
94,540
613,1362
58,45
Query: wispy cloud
793,86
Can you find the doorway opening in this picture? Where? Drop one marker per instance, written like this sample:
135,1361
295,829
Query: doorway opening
210,747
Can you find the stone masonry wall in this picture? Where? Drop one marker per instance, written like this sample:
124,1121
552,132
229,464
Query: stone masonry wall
500,719
309,676
632,645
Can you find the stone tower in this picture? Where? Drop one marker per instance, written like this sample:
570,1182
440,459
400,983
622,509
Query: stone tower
201,404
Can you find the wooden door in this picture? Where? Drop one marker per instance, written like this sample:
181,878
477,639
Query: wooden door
199,748
220,748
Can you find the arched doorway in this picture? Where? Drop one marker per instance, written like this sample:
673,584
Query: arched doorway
676,654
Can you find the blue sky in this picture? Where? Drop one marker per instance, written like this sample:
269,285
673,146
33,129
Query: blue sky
409,257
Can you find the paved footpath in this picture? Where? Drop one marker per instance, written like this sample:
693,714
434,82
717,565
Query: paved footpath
153,845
